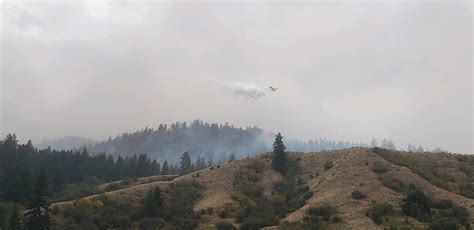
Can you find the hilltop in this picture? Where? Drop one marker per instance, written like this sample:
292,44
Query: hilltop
347,188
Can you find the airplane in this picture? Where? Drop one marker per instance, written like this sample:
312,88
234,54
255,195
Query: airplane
273,89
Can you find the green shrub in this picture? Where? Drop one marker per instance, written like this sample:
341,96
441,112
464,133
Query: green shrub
260,220
378,210
307,195
292,226
302,189
126,181
391,183
325,212
225,226
443,224
151,223
328,164
443,204
358,195
224,213
210,210
378,167
417,205
461,213
336,219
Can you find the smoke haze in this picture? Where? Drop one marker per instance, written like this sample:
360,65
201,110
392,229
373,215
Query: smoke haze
348,71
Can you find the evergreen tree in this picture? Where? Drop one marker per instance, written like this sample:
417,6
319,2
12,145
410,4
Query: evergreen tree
279,163
2,218
38,216
15,221
165,170
143,165
153,203
185,164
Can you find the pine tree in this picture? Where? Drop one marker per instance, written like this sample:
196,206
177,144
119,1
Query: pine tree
15,221
38,216
185,164
153,203
279,163
165,170
2,218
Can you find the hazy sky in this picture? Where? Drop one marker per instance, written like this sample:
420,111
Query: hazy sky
345,70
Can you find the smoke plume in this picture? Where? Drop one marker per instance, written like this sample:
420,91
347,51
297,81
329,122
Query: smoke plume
246,90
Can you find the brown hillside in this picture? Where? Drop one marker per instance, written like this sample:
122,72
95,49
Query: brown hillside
351,171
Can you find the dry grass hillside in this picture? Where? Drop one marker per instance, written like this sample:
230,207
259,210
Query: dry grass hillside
332,176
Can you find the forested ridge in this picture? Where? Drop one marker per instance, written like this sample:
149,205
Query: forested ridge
21,164
199,138
203,139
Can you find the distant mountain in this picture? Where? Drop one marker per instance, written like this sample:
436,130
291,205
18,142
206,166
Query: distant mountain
66,143
199,138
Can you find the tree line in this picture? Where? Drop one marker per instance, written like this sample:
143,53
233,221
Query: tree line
20,164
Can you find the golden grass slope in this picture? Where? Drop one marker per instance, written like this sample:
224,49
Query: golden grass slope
351,171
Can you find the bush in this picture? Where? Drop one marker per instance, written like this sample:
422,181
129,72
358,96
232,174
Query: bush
379,210
302,189
417,205
328,164
151,223
224,213
325,212
461,213
307,195
126,181
443,204
285,225
258,221
113,187
378,167
210,210
225,226
391,183
357,195
444,223
92,180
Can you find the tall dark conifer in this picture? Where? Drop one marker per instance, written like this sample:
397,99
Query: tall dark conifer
279,163
165,170
2,218
153,203
38,216
15,220
185,164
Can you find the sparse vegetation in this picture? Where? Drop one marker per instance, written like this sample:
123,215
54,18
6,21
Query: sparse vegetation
172,208
391,182
318,217
358,195
446,216
377,211
259,210
453,175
